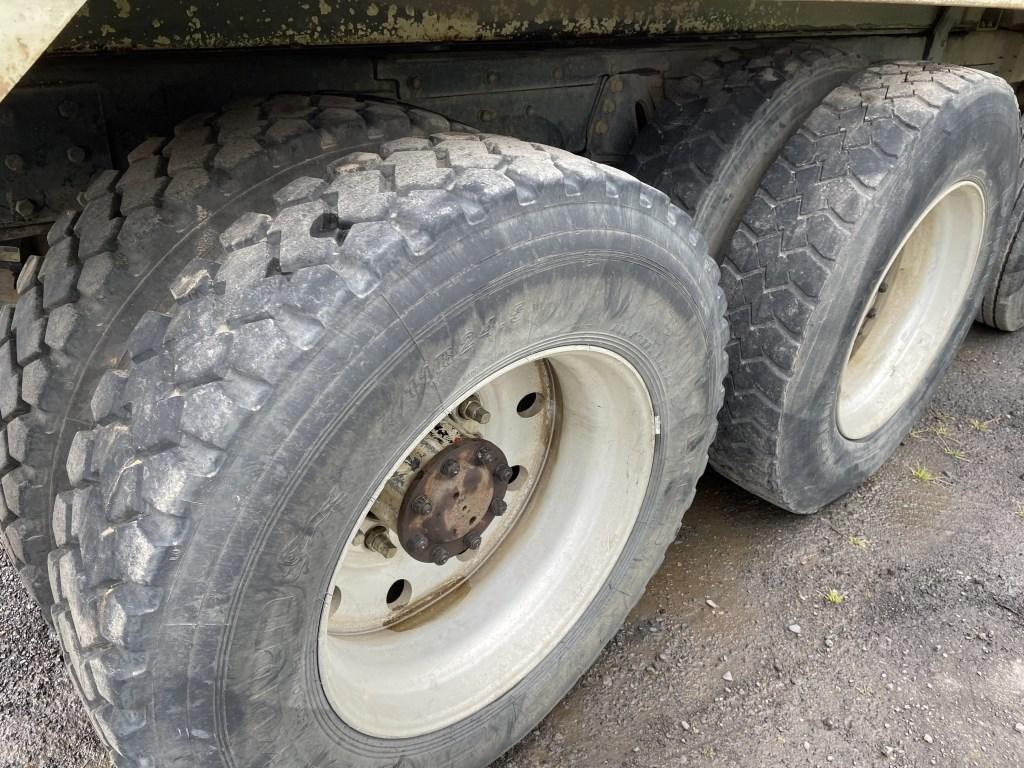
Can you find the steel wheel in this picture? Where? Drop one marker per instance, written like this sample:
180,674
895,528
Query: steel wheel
431,621
908,323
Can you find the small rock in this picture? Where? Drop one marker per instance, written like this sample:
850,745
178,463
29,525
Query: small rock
1019,727
888,751
712,604
777,666
829,723
795,629
928,738
684,725
727,677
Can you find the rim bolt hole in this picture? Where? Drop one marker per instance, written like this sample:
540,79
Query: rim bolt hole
399,594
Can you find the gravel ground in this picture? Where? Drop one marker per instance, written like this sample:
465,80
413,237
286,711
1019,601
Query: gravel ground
735,657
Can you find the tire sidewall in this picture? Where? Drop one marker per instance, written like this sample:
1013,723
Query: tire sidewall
817,463
272,529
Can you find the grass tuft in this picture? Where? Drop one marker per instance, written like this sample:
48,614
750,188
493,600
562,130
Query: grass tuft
834,596
859,541
922,474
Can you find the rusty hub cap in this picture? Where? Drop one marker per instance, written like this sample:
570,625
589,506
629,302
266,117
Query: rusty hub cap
452,500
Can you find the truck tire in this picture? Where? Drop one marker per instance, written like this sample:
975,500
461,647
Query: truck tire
113,260
837,342
1003,307
722,126
232,570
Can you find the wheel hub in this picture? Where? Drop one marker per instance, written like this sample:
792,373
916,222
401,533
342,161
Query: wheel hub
452,500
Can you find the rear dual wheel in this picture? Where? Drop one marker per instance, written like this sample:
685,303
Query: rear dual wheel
393,470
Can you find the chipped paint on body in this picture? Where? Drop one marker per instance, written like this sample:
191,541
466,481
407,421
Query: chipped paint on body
119,25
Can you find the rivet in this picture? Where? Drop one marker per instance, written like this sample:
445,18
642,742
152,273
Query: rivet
601,127
68,109
487,115
15,163
76,155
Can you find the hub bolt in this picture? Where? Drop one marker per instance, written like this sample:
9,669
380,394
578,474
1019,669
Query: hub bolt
484,456
883,288
421,506
439,555
473,410
377,540
472,540
450,468
420,543
498,507
872,313
504,473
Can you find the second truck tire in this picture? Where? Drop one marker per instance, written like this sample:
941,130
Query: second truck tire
857,269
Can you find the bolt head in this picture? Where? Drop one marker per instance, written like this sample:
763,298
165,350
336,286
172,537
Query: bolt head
439,556
421,505
504,473
872,312
76,155
484,456
498,507
420,543
25,208
472,540
15,163
450,468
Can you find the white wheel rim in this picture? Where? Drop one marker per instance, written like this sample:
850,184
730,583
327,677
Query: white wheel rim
588,448
913,312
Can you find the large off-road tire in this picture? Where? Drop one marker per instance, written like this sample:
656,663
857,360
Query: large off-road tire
722,126
1003,307
113,260
216,591
840,334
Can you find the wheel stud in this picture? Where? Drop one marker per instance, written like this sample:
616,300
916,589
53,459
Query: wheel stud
472,409
504,473
498,507
883,288
420,543
484,456
422,506
872,313
439,555
472,540
377,540
450,468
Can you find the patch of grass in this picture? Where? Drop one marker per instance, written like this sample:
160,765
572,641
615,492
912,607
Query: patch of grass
955,453
922,474
1019,512
980,426
834,596
859,541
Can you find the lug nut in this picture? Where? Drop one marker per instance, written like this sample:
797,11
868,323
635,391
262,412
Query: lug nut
872,313
421,505
498,507
883,288
450,468
472,410
420,543
472,540
377,540
504,473
75,155
439,555
484,456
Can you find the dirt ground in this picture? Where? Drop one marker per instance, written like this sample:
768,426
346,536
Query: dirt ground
735,657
